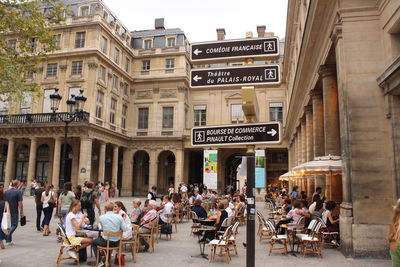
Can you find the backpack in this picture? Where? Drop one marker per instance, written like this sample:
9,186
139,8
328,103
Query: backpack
86,200
166,229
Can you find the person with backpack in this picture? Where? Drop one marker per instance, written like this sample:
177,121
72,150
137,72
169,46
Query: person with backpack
89,199
152,195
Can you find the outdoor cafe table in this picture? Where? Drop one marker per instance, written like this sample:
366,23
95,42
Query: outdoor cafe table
292,229
202,244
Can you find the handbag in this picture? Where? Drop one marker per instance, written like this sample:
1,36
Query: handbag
23,221
51,202
122,259
6,221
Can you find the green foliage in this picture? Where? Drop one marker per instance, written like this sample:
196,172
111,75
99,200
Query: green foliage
25,39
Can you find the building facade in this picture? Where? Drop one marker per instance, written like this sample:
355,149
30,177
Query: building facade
135,131
342,73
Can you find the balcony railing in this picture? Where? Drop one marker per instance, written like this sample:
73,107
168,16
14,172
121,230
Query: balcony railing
38,118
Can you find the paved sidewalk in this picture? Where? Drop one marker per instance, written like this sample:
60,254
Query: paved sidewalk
33,249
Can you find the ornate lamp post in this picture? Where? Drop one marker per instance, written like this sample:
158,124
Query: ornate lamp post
75,111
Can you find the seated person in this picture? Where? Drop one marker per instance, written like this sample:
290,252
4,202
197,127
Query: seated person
331,224
119,208
112,222
318,210
146,206
293,215
145,226
72,226
220,217
240,205
228,208
198,209
287,205
137,213
167,209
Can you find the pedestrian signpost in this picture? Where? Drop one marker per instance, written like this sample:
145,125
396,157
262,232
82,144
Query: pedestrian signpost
237,134
235,76
233,49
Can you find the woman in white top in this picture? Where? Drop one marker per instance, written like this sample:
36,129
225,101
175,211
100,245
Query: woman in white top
119,208
48,199
73,225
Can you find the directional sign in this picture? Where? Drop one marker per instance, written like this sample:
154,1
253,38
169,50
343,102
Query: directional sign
245,75
235,49
237,134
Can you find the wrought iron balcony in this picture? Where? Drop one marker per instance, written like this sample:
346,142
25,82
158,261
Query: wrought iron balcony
38,118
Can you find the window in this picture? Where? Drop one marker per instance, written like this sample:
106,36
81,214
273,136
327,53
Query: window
171,41
170,63
57,37
200,115
76,67
276,112
116,55
26,103
99,104
123,118
126,87
105,16
102,73
145,65
52,70
103,45
127,64
80,39
84,10
73,91
168,118
12,44
237,115
148,44
115,81
113,105
143,118
46,100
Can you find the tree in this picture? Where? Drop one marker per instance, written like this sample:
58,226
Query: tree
26,38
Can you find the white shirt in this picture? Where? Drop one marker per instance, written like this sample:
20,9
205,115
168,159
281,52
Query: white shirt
231,206
46,198
199,197
127,221
229,211
311,209
183,189
69,227
166,210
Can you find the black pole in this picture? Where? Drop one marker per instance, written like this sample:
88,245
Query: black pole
251,210
64,159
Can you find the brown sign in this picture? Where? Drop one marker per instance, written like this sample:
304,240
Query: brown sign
240,76
239,134
235,49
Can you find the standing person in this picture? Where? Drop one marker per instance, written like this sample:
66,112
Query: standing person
33,187
2,205
89,200
48,200
39,206
394,236
64,201
318,192
23,187
78,192
152,195
112,222
14,198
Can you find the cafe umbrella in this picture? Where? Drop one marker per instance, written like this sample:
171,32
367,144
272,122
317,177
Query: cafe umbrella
331,165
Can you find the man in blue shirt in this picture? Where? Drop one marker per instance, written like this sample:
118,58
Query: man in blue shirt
111,222
14,197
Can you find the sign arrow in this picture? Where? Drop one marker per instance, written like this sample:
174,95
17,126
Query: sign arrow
197,52
197,78
272,132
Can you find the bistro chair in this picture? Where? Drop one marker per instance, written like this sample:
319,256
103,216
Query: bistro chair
240,216
223,244
225,224
263,231
232,239
195,222
312,243
327,236
133,242
66,244
108,249
275,237
150,236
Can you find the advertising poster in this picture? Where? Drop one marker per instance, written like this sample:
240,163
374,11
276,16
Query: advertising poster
260,169
210,176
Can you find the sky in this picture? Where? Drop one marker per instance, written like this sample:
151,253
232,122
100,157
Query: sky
199,19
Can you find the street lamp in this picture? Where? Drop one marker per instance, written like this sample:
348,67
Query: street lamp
75,110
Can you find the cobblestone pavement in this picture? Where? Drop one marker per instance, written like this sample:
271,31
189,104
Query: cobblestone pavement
34,249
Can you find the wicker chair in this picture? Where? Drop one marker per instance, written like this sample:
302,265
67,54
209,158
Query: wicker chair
66,244
275,237
223,244
133,242
150,236
312,243
107,249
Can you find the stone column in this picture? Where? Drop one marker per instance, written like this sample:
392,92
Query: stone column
127,173
178,167
85,160
114,173
303,140
10,165
318,131
55,177
32,160
309,148
102,161
75,163
153,169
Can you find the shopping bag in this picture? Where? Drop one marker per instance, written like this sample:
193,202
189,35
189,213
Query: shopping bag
122,259
6,221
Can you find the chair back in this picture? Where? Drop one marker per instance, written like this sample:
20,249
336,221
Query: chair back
227,234
323,225
270,226
235,228
194,216
226,222
109,234
312,225
301,221
60,226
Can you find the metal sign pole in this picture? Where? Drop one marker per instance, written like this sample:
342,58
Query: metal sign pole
251,209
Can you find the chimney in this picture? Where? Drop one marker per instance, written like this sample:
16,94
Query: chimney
159,24
261,31
249,34
221,34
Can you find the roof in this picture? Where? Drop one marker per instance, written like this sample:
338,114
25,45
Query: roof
156,32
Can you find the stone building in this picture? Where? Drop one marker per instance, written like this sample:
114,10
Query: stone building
342,73
138,114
